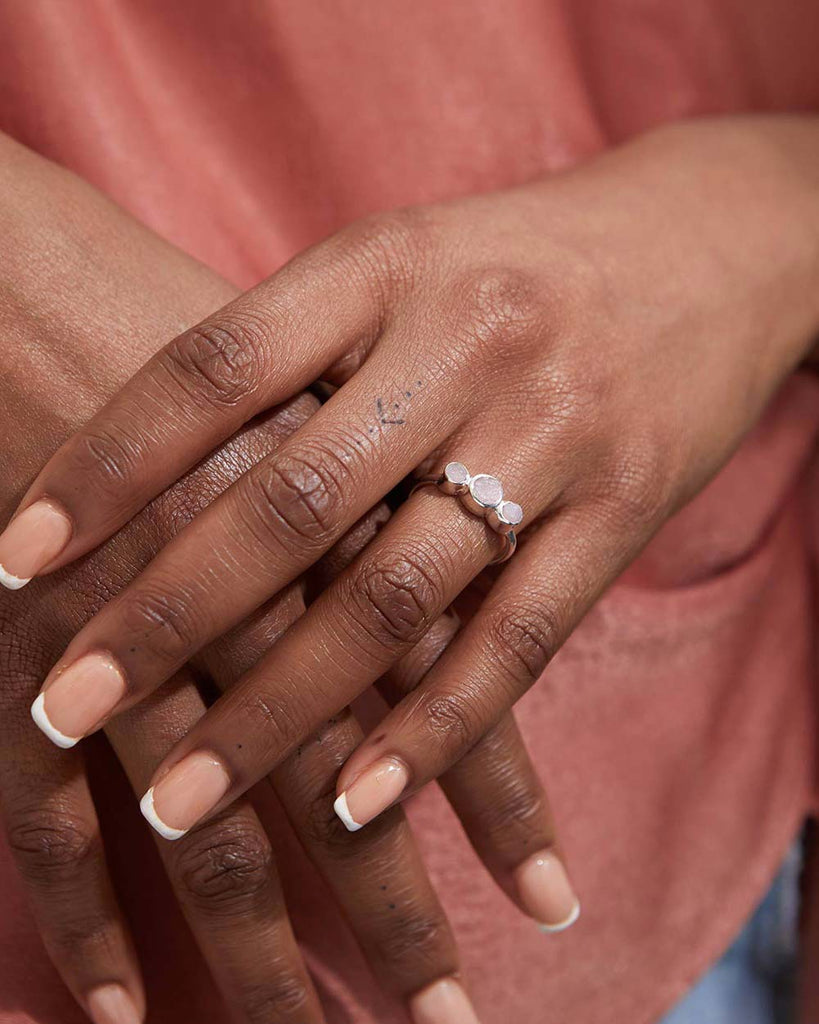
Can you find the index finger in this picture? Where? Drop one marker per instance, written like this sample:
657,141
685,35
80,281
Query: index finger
198,390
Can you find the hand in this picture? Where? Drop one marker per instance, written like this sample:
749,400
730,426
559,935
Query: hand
601,340
70,280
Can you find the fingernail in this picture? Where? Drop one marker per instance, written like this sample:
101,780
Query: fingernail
546,892
30,541
111,1004
444,1002
372,792
78,698
189,790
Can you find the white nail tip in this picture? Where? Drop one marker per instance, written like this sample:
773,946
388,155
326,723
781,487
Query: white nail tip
146,805
553,929
11,582
343,811
41,719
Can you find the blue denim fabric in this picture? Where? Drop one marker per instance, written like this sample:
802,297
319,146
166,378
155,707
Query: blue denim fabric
754,981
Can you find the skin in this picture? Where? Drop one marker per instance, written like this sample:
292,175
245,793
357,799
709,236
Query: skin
603,339
84,299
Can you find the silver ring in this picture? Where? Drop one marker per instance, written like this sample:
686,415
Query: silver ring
482,495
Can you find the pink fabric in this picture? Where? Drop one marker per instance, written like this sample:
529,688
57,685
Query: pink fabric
676,728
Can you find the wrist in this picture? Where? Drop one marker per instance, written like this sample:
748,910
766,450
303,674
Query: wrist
767,168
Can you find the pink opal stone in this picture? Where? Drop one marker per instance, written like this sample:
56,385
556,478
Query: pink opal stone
510,512
456,473
486,490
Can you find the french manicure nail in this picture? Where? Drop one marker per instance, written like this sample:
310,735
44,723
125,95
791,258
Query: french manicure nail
444,1002
30,541
371,793
546,892
111,1004
77,699
191,788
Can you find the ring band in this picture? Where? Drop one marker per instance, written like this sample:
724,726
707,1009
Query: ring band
482,495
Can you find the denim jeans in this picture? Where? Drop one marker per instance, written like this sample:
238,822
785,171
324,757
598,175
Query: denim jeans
754,981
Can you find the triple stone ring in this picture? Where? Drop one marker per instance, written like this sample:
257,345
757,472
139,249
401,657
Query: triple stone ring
482,495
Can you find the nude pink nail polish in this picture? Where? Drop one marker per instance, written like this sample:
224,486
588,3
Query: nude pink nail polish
372,792
191,789
546,892
111,1004
79,698
30,541
444,1002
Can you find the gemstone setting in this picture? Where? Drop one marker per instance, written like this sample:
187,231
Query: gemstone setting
482,495
510,512
455,478
486,490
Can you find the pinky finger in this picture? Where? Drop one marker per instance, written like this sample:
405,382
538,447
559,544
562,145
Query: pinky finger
504,810
500,801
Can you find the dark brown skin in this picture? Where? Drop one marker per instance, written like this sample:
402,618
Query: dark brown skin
86,296
602,339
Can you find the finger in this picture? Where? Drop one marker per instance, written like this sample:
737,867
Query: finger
380,884
225,879
54,836
275,522
499,800
527,616
505,812
197,391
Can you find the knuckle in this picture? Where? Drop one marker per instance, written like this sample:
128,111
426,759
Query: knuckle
636,486
107,460
224,867
397,599
500,305
526,639
220,360
84,936
163,620
521,813
415,935
449,718
390,247
285,997
172,511
51,847
320,827
298,497
276,721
